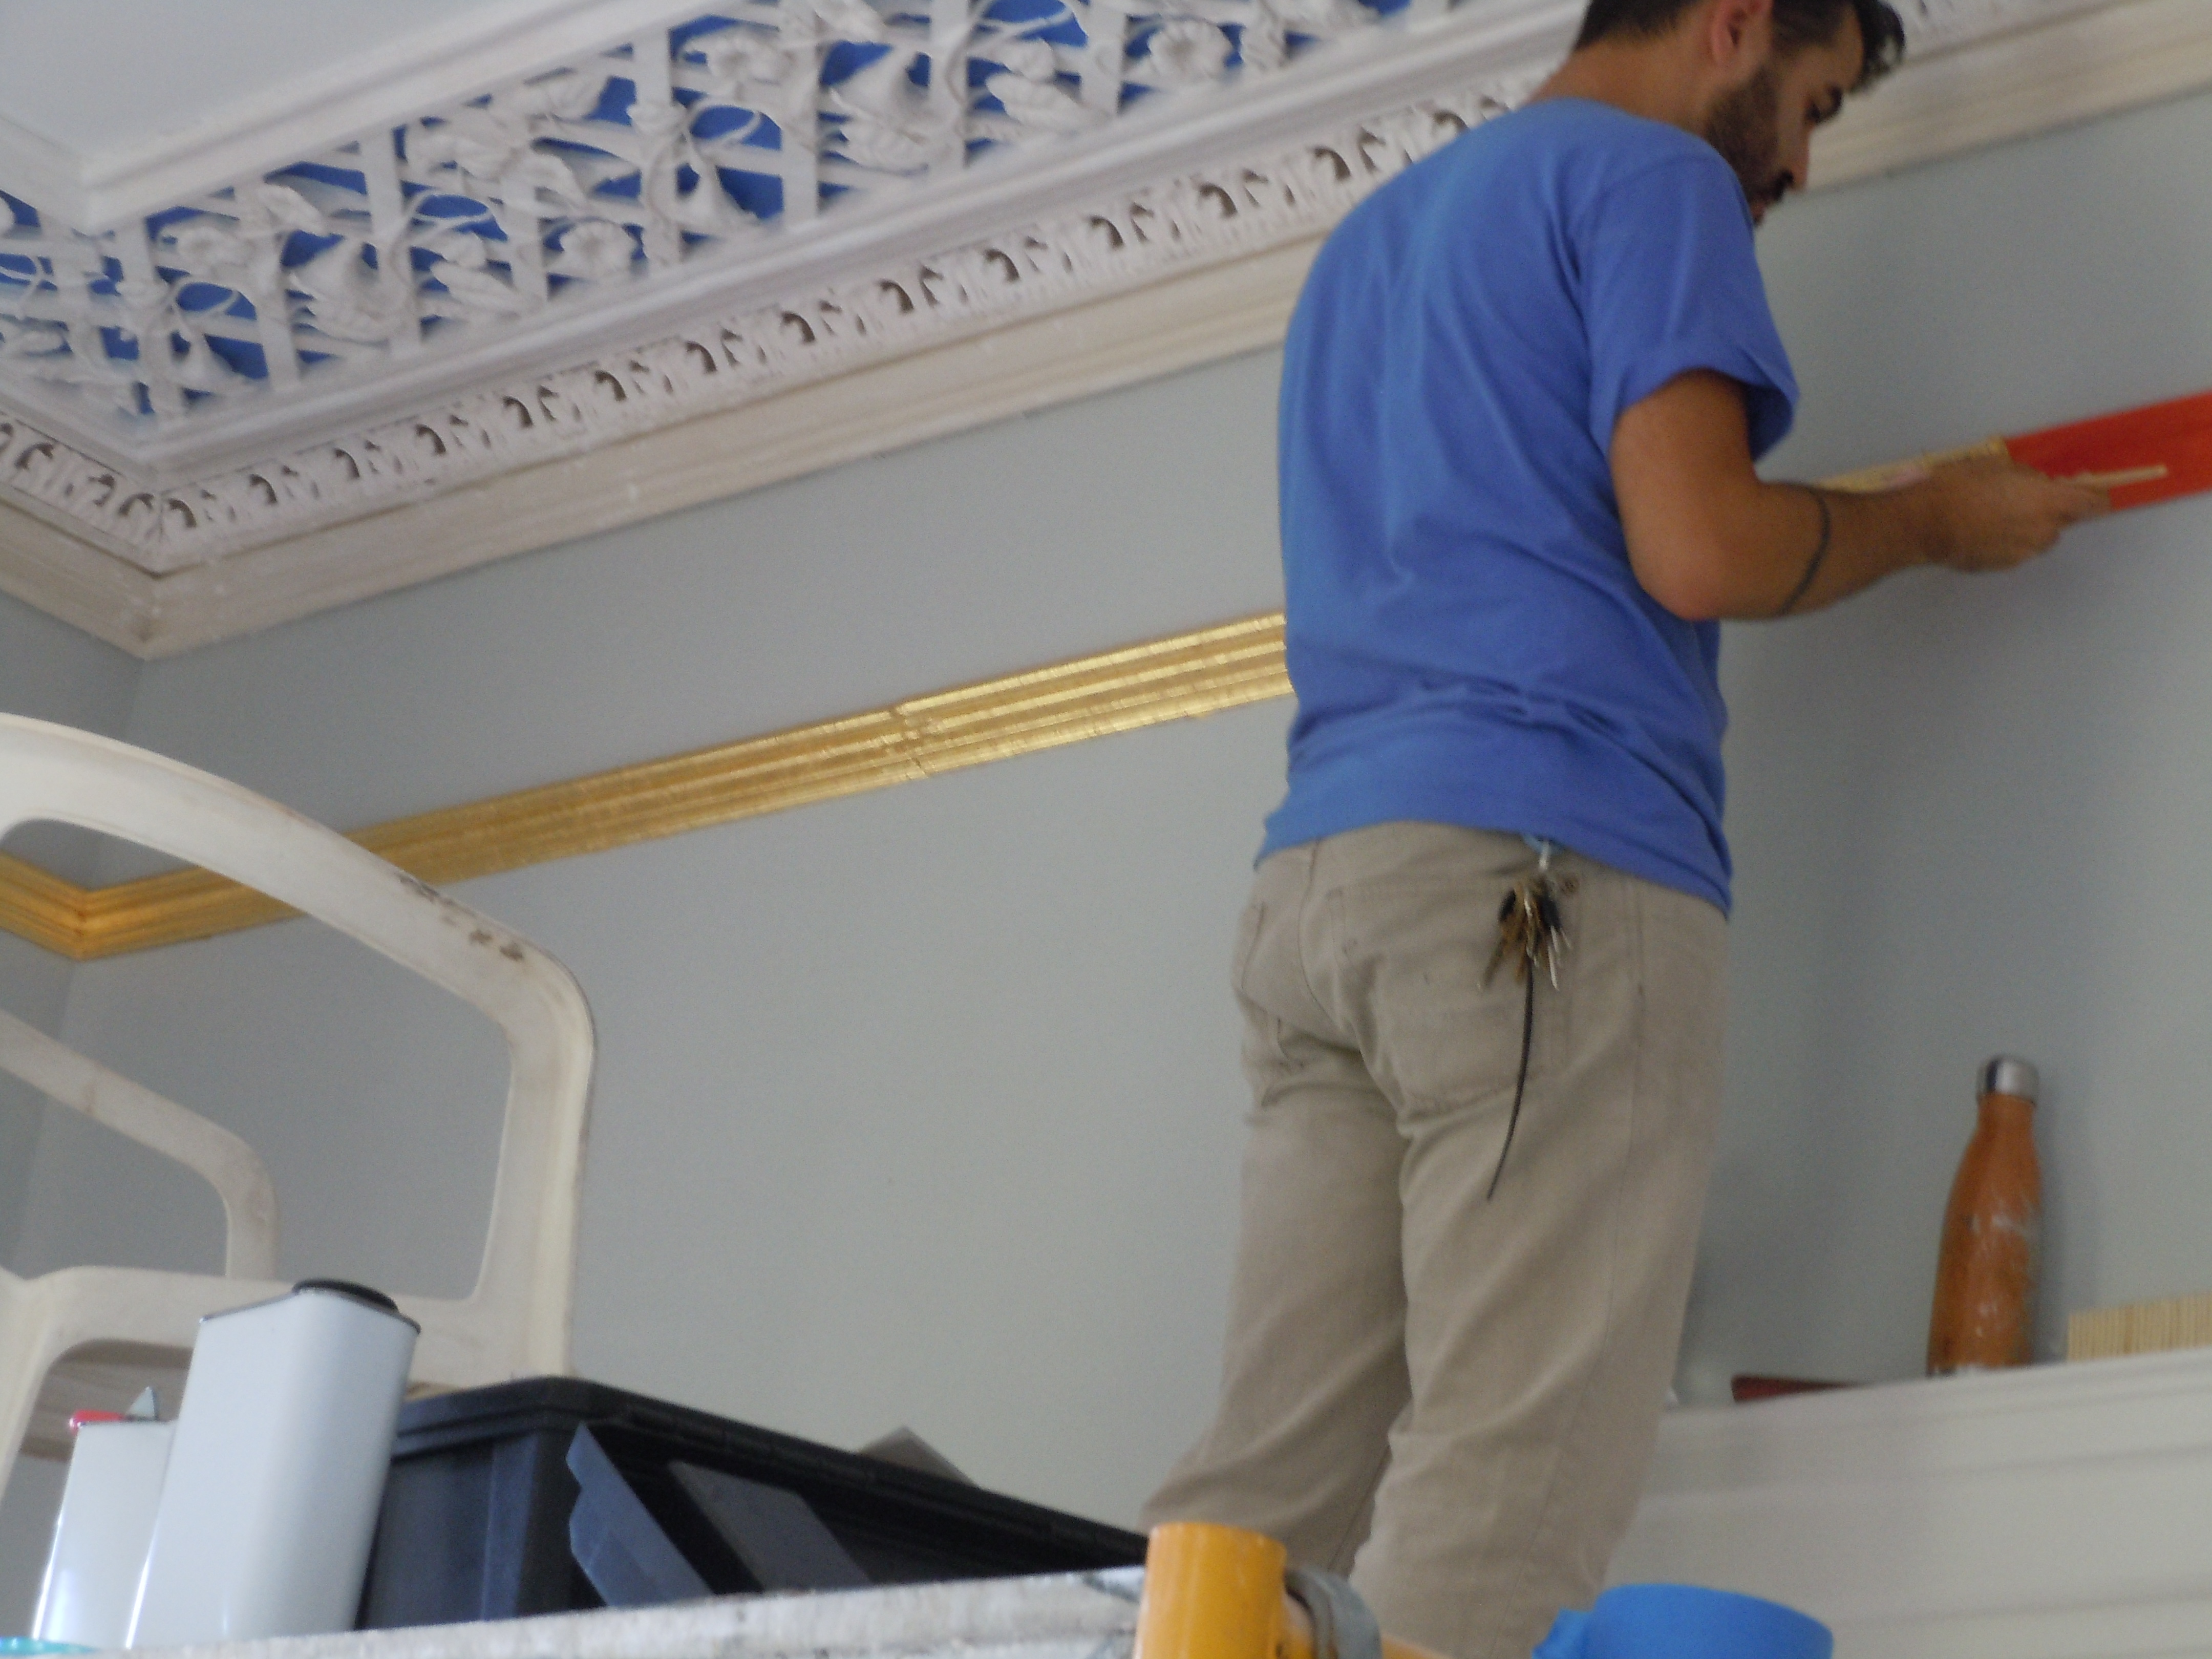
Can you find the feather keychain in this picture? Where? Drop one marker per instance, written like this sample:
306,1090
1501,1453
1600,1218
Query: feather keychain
2143,456
1531,934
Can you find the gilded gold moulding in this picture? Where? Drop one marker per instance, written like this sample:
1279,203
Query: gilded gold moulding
1177,678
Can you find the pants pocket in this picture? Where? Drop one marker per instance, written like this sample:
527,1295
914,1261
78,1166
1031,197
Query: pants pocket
1413,956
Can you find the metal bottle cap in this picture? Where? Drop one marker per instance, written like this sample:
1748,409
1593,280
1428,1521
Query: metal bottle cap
2005,1075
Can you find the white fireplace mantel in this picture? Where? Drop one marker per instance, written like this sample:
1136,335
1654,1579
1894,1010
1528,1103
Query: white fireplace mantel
2060,1512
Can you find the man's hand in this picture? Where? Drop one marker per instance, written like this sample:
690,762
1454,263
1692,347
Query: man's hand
1991,515
1709,540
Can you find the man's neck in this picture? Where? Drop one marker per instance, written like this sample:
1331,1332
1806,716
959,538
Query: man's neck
1645,79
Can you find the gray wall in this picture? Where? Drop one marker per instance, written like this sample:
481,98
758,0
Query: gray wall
922,1107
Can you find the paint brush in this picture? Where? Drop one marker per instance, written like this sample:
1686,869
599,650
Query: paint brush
2122,480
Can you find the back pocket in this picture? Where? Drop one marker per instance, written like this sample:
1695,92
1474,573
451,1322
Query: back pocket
1434,1036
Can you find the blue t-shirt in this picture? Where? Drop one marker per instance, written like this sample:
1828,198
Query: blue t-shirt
1468,642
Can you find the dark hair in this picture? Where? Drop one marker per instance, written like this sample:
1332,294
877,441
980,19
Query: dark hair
1797,23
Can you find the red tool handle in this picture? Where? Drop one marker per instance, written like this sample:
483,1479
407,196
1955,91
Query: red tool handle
2176,435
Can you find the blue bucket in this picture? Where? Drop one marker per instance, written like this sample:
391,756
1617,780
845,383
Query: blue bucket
1674,1621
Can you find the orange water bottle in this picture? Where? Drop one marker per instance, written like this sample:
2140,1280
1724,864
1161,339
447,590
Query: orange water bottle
1984,1312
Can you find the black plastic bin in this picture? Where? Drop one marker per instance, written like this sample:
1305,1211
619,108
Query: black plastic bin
478,1510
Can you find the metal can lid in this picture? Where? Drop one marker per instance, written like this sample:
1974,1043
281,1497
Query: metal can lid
2004,1074
346,1287
358,1293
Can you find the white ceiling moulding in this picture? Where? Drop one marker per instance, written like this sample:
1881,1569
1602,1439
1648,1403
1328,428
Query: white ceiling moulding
695,166
537,230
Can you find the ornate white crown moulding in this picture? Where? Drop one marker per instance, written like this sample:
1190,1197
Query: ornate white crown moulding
704,209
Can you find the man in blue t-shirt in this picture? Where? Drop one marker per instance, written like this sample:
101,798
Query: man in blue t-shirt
1523,397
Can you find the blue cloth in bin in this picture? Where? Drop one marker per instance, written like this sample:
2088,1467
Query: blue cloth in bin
1673,1621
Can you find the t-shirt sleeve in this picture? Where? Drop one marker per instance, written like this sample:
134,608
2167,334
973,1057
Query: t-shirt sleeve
1670,285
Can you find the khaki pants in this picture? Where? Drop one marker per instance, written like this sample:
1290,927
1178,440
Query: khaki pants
1456,1399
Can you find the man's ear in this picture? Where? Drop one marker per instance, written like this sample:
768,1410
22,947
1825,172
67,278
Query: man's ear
1739,35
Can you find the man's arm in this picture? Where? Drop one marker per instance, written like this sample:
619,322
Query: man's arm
1710,542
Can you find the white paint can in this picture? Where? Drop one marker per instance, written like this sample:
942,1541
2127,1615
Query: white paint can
282,1443
116,1466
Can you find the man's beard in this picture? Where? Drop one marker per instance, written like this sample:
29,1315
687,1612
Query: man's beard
1746,127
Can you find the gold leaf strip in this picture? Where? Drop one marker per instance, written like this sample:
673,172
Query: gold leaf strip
1876,479
42,908
1178,678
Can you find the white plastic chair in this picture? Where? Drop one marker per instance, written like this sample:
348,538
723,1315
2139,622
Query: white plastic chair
515,1321
109,1377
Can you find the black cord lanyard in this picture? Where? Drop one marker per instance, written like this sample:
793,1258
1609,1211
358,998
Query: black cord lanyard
1531,932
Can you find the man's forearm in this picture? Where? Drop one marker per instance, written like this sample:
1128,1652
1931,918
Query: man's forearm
1866,538
1765,551
1977,515
1710,542
1793,548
